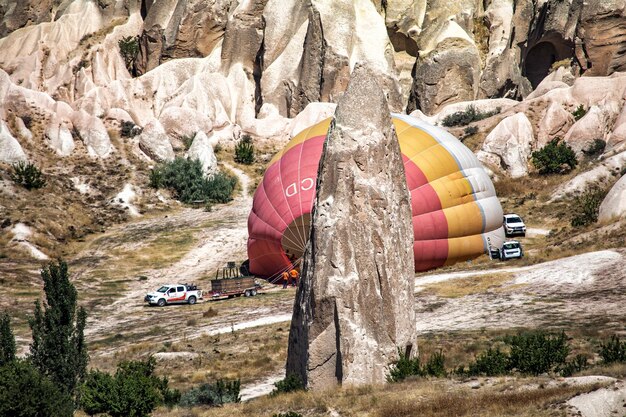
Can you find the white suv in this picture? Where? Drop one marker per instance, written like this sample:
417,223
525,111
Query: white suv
514,225
511,249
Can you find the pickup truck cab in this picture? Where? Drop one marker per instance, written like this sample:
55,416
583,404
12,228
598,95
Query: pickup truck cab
511,249
514,225
174,293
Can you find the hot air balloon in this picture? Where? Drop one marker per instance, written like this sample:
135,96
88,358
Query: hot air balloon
456,214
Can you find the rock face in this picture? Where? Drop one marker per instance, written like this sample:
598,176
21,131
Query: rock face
509,145
202,150
10,149
614,204
354,306
155,143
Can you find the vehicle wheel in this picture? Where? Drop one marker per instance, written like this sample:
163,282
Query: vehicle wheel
247,293
161,302
192,300
253,292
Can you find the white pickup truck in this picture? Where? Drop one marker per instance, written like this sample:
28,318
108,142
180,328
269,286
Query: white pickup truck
174,293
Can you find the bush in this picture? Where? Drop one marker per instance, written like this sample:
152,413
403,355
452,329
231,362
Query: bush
221,392
576,365
27,175
467,116
244,151
134,390
128,129
535,353
579,112
129,49
492,362
435,366
188,183
470,130
25,392
595,149
587,207
554,158
290,384
187,141
613,351
404,368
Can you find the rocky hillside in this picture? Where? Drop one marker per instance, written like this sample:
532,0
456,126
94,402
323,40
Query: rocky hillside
96,92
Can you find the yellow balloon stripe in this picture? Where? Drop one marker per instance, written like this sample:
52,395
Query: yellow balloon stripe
319,129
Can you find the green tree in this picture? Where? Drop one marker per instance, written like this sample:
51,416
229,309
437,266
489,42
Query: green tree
554,158
137,390
58,348
129,49
25,392
7,340
97,393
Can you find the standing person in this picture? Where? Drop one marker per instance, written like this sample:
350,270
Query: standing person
285,279
294,277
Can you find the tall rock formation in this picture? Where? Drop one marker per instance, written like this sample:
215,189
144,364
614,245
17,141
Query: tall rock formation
354,307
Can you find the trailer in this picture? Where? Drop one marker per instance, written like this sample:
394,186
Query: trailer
229,282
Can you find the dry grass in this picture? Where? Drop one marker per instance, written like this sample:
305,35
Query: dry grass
247,355
424,398
462,287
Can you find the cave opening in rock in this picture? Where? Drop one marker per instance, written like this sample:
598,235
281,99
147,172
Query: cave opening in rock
541,56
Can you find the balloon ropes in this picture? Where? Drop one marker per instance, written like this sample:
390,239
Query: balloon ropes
456,214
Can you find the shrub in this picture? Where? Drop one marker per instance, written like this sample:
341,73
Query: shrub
595,149
535,353
186,179
58,348
129,49
554,158
587,207
128,129
467,116
134,390
579,112
435,366
613,351
25,392
221,392
470,130
287,414
404,368
244,151
7,340
97,393
27,175
290,384
187,141
576,365
492,362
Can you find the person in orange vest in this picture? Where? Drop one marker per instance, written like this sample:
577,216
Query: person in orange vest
294,275
285,279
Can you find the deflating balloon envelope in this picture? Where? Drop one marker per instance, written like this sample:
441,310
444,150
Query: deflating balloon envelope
456,214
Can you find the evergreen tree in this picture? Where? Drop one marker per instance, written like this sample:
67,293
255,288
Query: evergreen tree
58,348
7,340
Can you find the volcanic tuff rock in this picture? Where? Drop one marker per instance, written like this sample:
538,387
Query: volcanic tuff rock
614,204
354,307
509,145
10,149
202,150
